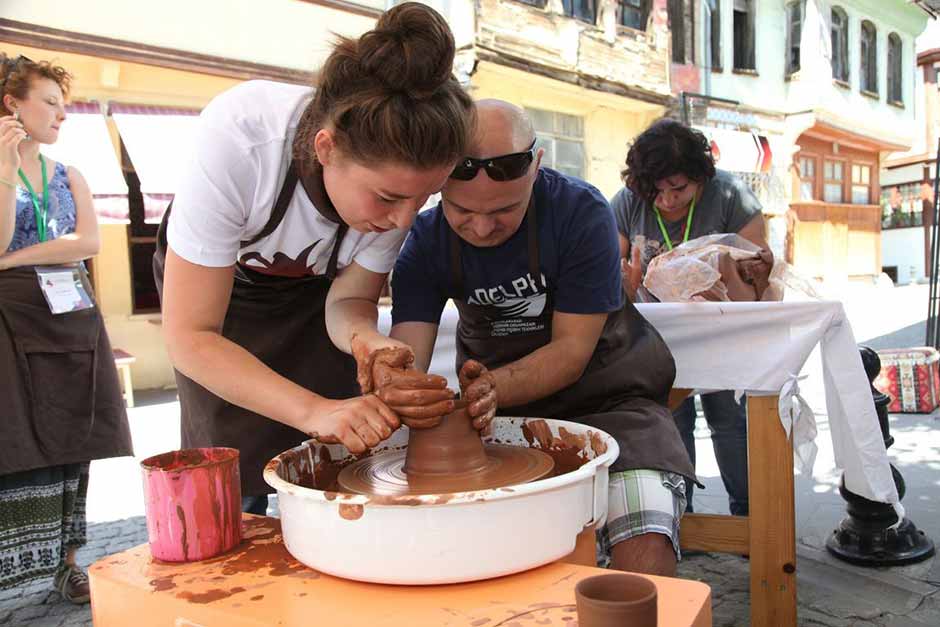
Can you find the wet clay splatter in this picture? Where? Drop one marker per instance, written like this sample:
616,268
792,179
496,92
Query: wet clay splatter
216,594
262,553
350,511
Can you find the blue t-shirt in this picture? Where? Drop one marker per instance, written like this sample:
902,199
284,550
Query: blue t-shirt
579,257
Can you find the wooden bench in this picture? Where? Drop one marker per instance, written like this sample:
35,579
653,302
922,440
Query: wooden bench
123,361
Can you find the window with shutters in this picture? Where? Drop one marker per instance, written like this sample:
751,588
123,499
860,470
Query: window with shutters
715,36
840,45
869,58
681,25
895,66
744,57
794,32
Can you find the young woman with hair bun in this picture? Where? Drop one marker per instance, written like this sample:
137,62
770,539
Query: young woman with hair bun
281,234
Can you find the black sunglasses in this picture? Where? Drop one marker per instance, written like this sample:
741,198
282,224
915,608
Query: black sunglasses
502,168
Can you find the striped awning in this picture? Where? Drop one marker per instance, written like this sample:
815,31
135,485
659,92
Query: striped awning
85,143
158,141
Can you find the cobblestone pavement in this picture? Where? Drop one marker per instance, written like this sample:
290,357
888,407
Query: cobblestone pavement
37,605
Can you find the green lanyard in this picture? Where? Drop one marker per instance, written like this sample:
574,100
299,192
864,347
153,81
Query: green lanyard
662,226
41,216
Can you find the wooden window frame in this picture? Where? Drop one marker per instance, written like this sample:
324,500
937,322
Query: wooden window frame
845,171
871,170
791,68
748,60
868,63
683,12
841,47
895,70
816,173
554,135
644,14
715,37
570,10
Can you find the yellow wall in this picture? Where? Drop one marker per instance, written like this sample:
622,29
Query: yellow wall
610,121
105,80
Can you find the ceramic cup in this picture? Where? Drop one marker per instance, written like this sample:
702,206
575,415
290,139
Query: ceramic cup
616,600
193,503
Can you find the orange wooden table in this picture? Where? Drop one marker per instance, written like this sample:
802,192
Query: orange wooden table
259,583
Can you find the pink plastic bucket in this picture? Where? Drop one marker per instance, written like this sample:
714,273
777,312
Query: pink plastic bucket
193,503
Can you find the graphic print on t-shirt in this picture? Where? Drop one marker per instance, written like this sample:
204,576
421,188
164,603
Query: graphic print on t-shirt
513,307
282,265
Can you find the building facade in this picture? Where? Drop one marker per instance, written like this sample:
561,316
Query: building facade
907,179
840,76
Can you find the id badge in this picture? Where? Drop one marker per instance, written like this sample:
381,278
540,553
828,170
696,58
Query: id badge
64,288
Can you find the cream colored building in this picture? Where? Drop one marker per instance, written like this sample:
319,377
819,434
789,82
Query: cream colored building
144,70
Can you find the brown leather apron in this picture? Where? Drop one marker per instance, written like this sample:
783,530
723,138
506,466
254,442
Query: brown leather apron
624,388
281,321
62,401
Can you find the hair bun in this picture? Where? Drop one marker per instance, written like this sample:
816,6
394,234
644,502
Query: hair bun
410,50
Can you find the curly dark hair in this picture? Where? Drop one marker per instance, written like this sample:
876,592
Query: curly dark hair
17,74
668,147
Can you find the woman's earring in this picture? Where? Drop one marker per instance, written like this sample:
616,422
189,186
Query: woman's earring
16,116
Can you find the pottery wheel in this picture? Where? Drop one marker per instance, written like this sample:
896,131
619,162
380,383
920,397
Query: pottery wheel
384,473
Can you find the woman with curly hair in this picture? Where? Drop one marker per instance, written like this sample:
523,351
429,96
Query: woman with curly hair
62,404
674,193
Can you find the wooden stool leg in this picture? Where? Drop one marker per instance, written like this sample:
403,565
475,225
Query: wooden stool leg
128,385
772,516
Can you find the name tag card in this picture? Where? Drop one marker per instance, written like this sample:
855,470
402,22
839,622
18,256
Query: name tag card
64,288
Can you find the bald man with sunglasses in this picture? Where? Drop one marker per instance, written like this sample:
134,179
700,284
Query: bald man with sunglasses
531,259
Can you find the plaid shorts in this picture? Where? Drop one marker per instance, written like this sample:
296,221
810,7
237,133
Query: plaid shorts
638,502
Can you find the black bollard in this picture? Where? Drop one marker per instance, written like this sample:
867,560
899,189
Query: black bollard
864,537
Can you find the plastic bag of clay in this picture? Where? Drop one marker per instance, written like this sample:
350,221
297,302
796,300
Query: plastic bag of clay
720,267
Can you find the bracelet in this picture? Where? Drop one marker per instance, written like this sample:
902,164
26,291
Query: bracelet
9,184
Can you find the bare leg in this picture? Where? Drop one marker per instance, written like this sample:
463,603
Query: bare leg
70,556
649,553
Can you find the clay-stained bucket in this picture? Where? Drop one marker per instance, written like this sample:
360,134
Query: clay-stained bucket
193,503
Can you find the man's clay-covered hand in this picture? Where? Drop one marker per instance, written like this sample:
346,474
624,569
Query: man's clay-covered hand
367,356
420,400
478,388
757,271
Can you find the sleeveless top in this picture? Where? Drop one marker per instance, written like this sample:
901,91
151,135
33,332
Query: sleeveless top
61,216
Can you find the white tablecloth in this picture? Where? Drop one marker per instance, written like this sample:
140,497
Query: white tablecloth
760,348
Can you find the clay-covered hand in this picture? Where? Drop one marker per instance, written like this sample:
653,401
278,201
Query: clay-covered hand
478,388
420,400
757,271
357,423
631,273
367,352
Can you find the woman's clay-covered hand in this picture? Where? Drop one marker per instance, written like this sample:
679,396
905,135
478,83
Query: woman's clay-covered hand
631,273
367,352
357,423
478,388
420,400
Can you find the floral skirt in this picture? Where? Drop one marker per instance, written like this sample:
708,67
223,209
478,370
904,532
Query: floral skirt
42,515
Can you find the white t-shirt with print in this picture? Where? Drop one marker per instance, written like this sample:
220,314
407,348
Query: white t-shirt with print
226,195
